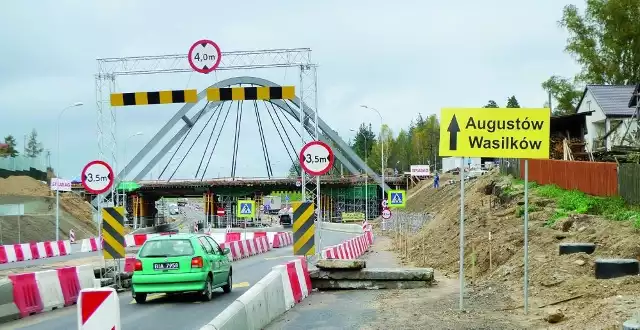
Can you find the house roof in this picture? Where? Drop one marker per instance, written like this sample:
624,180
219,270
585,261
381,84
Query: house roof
4,146
612,99
633,102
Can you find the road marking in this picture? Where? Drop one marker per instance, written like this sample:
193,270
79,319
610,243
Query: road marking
240,285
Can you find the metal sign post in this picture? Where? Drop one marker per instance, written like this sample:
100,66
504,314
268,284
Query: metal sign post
526,236
461,271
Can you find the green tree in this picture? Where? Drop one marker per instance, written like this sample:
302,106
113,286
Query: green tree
364,138
10,141
604,40
491,104
34,148
512,102
564,92
294,170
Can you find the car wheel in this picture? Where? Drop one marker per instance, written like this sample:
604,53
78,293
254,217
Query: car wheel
227,287
140,298
207,293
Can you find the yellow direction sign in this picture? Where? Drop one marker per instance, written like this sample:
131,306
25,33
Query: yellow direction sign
504,133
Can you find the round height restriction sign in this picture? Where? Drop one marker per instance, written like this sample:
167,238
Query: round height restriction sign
386,214
204,56
316,158
97,177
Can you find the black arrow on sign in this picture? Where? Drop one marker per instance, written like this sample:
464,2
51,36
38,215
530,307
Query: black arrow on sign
453,133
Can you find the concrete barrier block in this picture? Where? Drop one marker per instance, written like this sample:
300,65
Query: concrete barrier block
231,318
8,309
378,274
353,264
255,304
289,301
274,294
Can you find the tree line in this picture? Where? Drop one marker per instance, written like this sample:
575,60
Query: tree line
32,149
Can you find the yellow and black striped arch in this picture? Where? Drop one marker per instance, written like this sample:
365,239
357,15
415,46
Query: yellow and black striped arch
250,93
113,233
160,97
304,229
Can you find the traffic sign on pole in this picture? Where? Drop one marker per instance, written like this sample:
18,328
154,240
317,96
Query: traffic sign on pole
386,214
97,177
316,158
480,132
246,209
384,203
204,56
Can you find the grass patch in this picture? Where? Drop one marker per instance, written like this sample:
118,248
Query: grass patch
532,208
574,201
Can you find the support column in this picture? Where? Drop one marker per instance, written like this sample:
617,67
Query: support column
209,207
135,209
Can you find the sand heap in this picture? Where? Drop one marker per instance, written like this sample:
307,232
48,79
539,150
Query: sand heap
552,277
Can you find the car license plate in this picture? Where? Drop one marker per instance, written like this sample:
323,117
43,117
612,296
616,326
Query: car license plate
166,266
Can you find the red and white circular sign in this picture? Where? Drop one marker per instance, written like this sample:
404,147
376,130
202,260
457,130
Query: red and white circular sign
204,56
386,214
97,177
316,158
384,203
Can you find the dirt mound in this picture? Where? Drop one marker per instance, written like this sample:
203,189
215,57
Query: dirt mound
552,277
38,223
23,186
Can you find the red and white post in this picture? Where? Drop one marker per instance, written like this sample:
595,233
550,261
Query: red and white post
98,309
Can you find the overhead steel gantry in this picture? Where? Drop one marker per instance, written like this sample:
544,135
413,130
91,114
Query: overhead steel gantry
111,68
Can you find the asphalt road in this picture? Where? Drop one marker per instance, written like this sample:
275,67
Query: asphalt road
180,312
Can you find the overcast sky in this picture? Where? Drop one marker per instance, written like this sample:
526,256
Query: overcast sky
403,58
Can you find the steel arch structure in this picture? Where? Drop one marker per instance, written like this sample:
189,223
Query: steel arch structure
344,153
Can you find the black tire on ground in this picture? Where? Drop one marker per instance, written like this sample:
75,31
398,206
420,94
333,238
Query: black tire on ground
612,268
227,287
207,293
140,298
631,325
569,248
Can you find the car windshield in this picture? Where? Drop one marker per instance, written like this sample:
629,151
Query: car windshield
167,248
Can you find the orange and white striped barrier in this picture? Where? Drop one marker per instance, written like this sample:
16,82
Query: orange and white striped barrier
99,309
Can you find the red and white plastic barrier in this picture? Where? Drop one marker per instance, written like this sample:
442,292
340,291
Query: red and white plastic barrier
90,245
33,250
99,309
350,249
50,289
282,239
284,287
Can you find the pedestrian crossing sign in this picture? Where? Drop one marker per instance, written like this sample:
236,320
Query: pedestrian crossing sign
246,209
397,198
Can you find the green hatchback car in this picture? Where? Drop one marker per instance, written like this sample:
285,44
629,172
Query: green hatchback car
181,263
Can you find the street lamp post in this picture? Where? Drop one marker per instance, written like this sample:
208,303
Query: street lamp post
366,183
77,104
381,147
124,175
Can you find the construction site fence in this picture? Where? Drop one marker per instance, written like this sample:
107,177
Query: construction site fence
593,178
35,167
